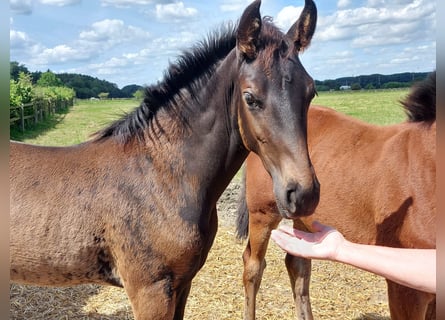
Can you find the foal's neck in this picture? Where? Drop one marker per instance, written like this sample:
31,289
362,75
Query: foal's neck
203,143
215,145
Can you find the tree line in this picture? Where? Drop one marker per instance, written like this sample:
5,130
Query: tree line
373,81
84,86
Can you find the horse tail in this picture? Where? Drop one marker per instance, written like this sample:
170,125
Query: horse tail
242,219
420,104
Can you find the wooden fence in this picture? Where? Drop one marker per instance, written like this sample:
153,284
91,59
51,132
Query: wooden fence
36,111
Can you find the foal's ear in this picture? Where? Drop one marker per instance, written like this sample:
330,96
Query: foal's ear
302,31
249,30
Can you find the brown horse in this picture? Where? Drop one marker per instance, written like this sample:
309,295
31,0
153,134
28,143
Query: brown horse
136,205
377,187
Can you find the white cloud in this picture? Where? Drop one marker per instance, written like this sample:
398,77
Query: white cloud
99,38
20,6
388,34
156,54
401,22
412,54
111,32
60,3
176,42
386,3
375,3
234,5
287,17
129,3
103,30
140,57
341,57
25,6
174,11
111,66
343,3
333,33
58,54
17,38
20,41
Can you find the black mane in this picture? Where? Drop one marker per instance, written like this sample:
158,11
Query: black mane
190,67
420,105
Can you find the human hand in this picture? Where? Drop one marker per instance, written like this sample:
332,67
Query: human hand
324,243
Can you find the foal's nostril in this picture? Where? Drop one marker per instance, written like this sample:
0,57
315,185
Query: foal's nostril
301,201
292,195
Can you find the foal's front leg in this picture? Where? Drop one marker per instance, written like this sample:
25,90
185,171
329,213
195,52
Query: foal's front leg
299,271
183,293
152,302
260,226
160,299
181,301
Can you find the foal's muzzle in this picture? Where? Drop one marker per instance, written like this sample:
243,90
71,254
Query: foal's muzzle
296,201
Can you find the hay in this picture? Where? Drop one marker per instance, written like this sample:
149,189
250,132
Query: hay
337,291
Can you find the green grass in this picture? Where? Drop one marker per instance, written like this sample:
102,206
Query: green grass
77,125
86,117
377,106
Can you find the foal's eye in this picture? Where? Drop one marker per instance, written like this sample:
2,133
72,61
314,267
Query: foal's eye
251,101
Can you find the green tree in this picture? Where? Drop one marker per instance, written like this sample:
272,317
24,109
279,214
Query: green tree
394,84
322,87
49,79
103,95
128,91
21,91
356,86
14,70
139,94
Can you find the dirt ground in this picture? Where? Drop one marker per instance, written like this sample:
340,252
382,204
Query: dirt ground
337,291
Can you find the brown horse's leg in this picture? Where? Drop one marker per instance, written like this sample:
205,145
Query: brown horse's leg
407,303
260,227
299,270
431,310
151,302
184,292
182,299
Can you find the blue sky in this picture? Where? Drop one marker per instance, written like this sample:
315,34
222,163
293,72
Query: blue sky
132,41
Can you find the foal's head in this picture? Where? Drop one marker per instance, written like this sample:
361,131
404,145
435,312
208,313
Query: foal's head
276,92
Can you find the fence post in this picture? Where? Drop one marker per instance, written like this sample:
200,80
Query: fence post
22,117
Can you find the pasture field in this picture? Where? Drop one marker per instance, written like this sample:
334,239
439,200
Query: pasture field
378,106
76,125
337,291
86,117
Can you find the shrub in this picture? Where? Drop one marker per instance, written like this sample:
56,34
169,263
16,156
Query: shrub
21,91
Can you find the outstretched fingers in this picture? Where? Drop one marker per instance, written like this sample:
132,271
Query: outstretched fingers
306,244
320,232
290,242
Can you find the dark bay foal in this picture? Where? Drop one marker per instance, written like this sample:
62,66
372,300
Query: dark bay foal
136,205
